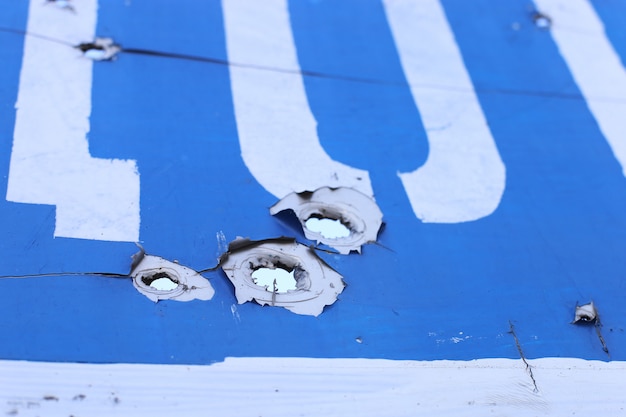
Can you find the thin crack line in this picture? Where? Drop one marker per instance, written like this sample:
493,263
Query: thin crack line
598,326
521,353
363,80
58,274
340,77
36,35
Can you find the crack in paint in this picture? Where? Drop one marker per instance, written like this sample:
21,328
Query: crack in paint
521,353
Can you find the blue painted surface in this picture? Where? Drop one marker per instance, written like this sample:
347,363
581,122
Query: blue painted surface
611,13
431,291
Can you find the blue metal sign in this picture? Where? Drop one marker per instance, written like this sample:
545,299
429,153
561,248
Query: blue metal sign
498,171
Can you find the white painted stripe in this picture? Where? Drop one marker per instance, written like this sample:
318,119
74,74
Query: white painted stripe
316,387
50,163
463,178
594,64
277,131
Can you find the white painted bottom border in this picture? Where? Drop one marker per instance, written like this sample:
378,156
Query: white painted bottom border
316,387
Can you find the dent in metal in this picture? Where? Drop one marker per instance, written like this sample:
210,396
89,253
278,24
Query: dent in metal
317,284
148,268
355,210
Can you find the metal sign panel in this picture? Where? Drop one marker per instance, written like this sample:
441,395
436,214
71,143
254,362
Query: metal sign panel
488,134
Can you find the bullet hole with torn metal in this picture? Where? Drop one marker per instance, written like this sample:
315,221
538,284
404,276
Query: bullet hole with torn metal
585,313
342,218
160,279
316,284
277,277
101,49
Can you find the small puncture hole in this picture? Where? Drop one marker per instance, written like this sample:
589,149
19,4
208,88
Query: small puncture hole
278,280
541,20
161,281
329,228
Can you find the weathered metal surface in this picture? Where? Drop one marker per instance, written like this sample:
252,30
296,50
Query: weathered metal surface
488,134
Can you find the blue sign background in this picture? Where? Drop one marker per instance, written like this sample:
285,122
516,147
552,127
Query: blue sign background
428,291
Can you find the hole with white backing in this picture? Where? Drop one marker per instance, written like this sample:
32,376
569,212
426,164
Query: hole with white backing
276,280
541,20
161,281
304,283
327,227
341,218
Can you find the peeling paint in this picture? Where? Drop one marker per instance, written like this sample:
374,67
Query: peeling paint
355,210
147,269
317,285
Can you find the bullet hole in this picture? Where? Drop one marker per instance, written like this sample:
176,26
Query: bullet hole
342,218
278,280
328,228
255,268
161,281
101,49
541,20
585,313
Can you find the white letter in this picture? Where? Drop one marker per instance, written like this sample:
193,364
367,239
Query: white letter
50,163
277,131
463,178
594,64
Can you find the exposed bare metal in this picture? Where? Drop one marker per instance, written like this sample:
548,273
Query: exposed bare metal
317,284
189,284
353,209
